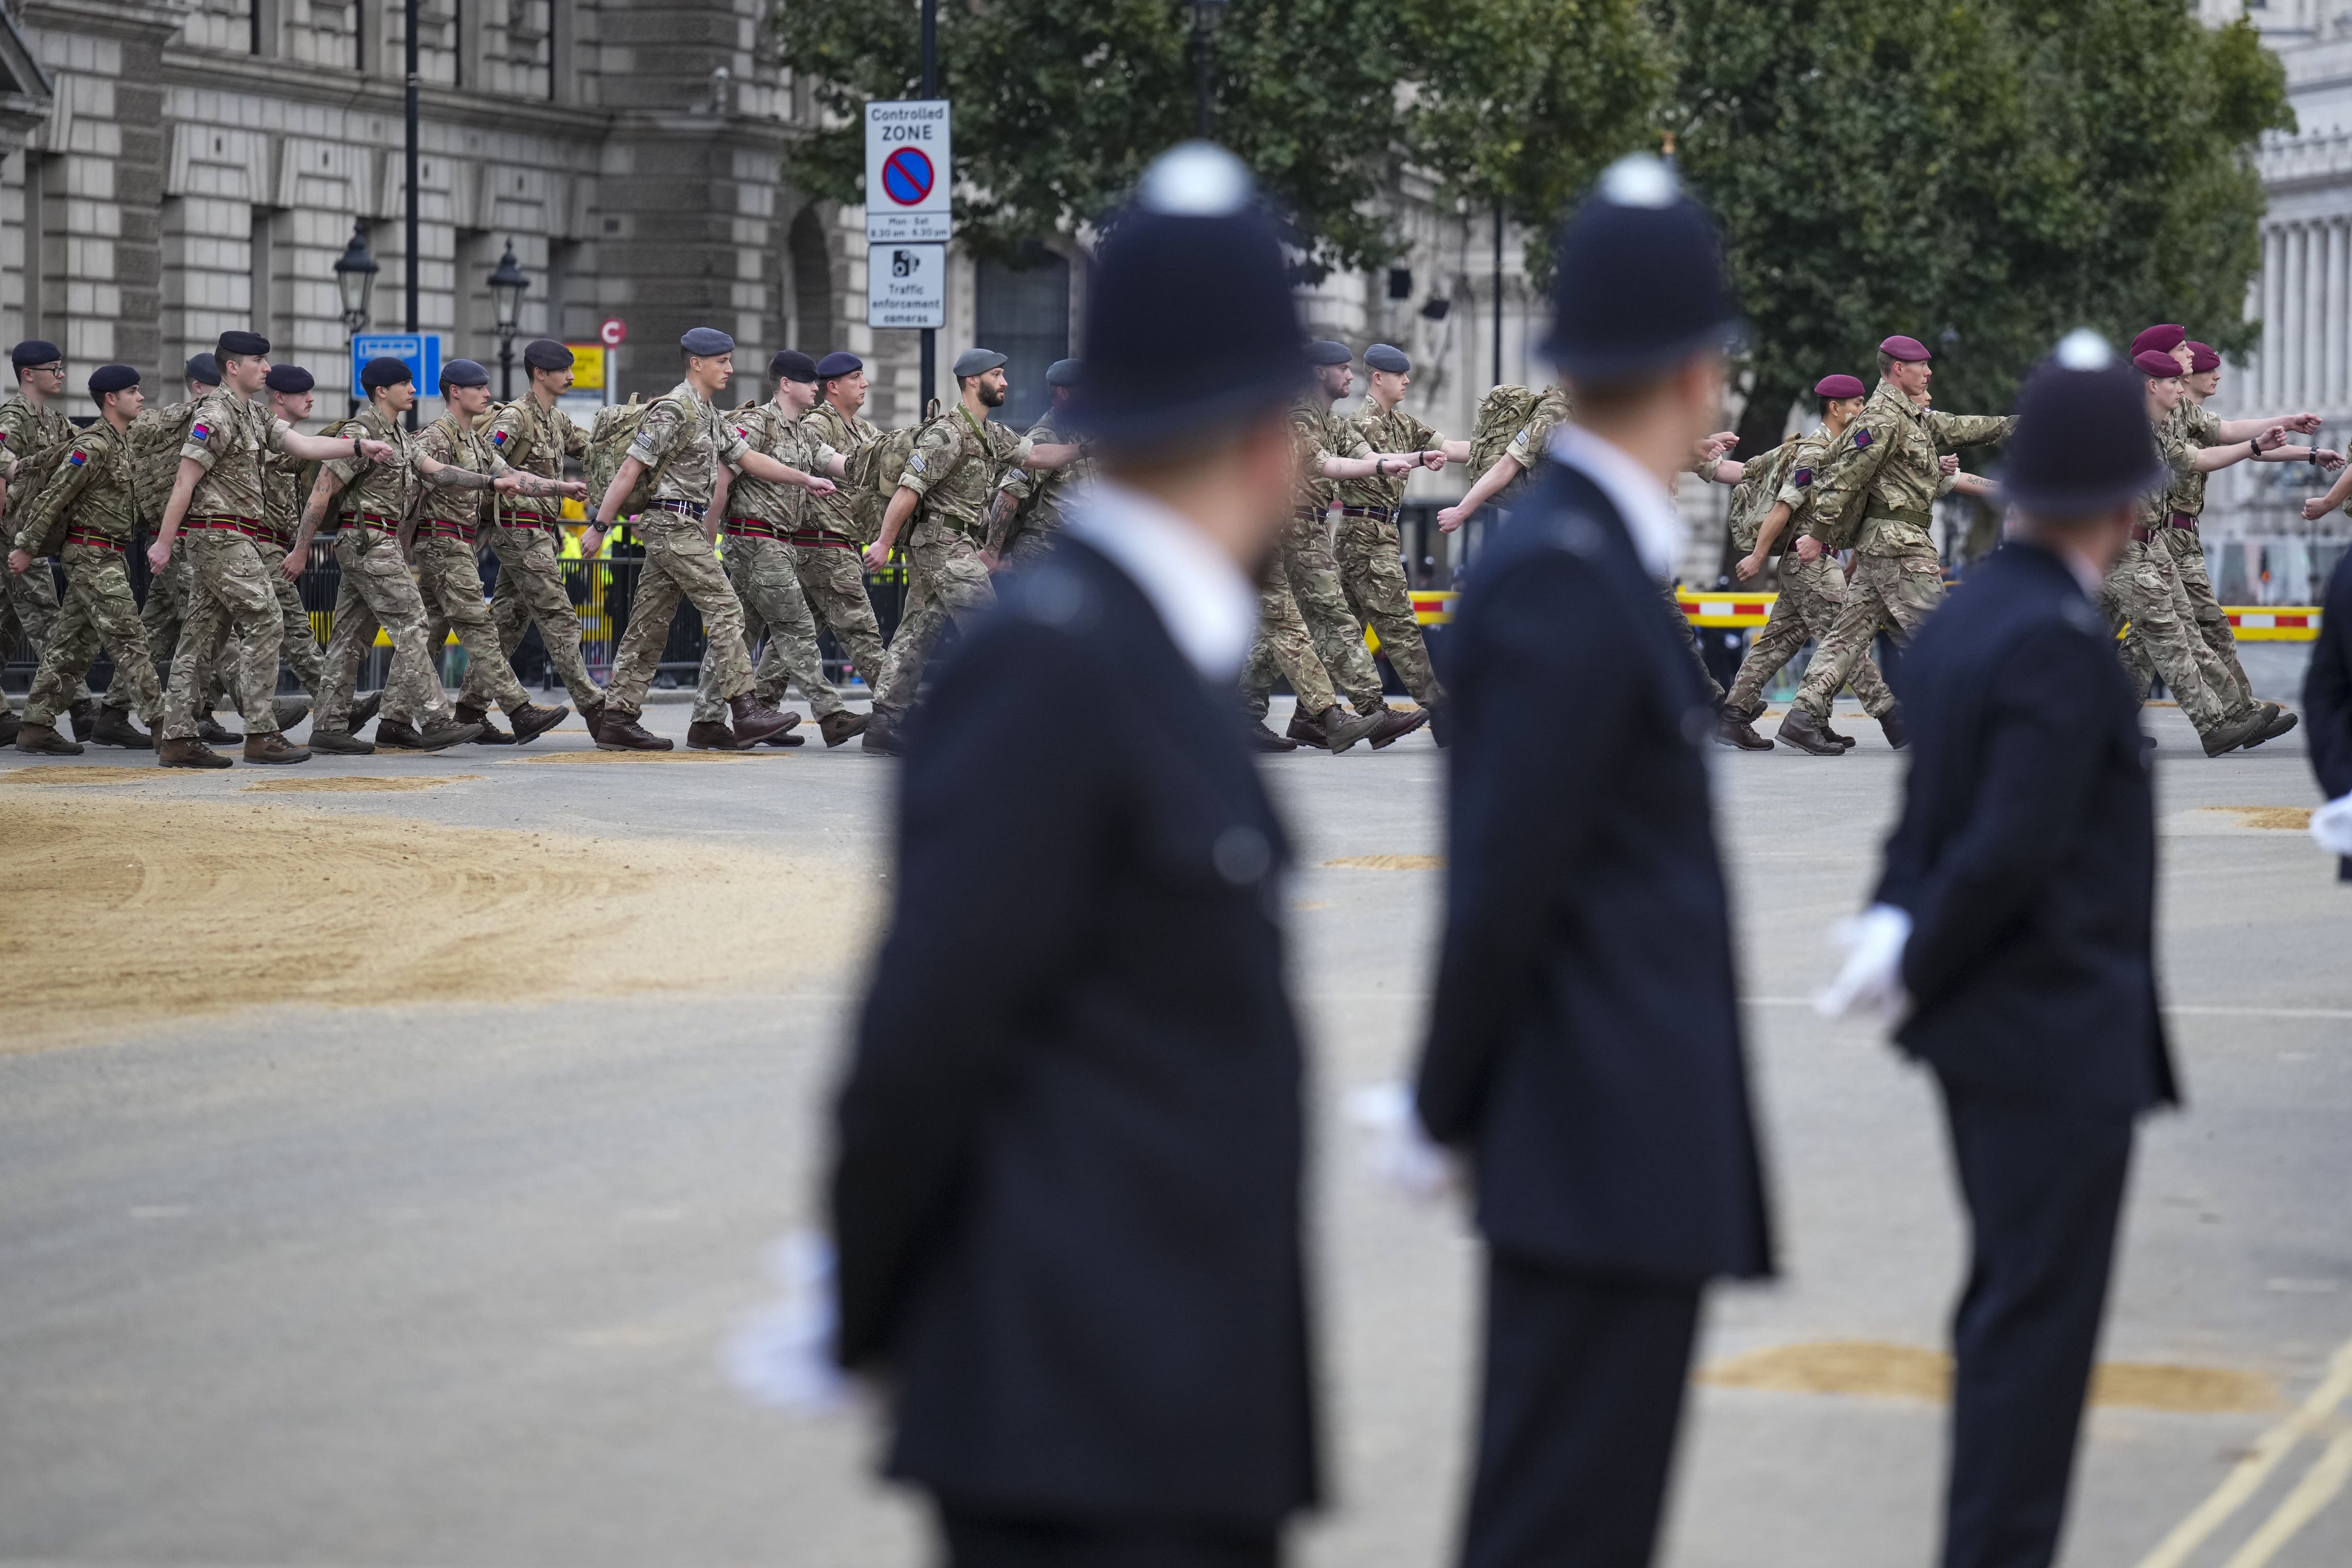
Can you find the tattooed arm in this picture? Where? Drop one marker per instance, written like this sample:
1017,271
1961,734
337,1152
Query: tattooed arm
314,513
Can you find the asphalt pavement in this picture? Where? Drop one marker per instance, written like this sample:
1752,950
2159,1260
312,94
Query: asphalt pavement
444,1282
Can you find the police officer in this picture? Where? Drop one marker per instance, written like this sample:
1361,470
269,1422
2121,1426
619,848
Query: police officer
1584,1048
1059,1130
2013,925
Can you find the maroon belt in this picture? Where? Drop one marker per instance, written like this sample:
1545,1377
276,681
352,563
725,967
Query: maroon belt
823,539
750,527
2183,520
251,528
1308,514
533,519
95,541
1379,514
442,530
377,522
2142,533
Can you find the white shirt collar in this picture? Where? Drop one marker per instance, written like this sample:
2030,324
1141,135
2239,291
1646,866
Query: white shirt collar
1206,603
1660,532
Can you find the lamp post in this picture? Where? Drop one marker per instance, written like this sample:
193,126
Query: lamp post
1204,36
356,272
507,286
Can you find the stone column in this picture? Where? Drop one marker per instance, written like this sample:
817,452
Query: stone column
2266,368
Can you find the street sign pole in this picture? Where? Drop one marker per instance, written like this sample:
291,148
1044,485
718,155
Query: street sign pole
930,90
909,218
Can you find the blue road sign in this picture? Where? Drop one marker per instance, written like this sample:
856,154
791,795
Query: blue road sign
421,349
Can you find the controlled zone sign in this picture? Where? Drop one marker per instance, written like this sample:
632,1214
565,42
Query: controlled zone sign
908,172
420,350
906,286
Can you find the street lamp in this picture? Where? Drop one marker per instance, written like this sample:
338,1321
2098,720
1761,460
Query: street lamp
507,285
356,272
1204,31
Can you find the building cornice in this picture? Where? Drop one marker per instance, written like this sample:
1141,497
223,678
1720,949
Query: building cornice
332,89
127,19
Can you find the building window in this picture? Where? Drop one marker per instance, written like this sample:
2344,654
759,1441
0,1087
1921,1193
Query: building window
1021,309
811,325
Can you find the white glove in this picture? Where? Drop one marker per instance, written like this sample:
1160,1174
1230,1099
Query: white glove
1871,981
1401,1153
2331,826
781,1356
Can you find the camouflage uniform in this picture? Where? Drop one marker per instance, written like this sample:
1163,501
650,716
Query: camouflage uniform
377,590
281,514
1889,457
31,596
2143,587
1371,554
825,551
156,435
1310,570
1811,593
678,560
954,469
447,559
93,487
523,534
761,517
1282,645
2177,531
228,437
1042,495
1527,447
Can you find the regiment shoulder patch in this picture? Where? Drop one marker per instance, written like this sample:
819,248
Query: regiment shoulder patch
498,438
1802,477
76,458
1862,438
199,432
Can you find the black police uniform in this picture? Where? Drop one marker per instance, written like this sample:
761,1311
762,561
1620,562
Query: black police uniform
2327,693
1584,1044
1066,1196
2025,856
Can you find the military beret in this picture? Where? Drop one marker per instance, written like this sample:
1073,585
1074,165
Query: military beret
291,380
792,365
2163,339
2083,443
976,363
204,368
707,342
243,344
465,373
384,371
112,379
546,354
2159,366
2201,358
1066,373
1386,357
36,351
1835,386
1641,285
1324,351
1910,351
840,362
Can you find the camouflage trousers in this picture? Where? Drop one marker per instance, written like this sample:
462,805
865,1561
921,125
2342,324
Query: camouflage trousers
1371,573
29,602
946,581
378,594
530,594
1283,644
449,581
297,644
99,612
1895,592
2224,671
1806,608
1687,635
833,580
678,564
165,609
230,584
1312,571
2144,588
1034,540
775,608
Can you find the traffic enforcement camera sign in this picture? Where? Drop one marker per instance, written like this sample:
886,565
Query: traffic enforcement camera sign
906,286
908,172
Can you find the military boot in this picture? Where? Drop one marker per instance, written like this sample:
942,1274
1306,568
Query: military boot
1440,723
8,722
363,710
1899,735
341,743
839,728
1734,729
1843,742
1396,724
289,711
43,741
491,733
2234,733
211,731
1261,738
2276,721
1340,731
171,752
531,721
882,734
591,715
114,728
622,732
1305,730
1803,731
755,721
710,734
274,748
83,716
394,736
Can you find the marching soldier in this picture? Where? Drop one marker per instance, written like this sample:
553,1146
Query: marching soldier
1889,458
677,451
88,514
156,438
1370,551
1505,476
758,520
945,492
1028,508
824,546
217,496
1318,719
447,557
33,434
535,436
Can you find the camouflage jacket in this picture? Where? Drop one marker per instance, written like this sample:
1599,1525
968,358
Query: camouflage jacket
1045,490
1385,430
381,493
955,467
227,437
282,495
767,429
455,442
1316,433
1888,456
27,433
2178,449
534,440
683,427
93,484
845,433
2201,429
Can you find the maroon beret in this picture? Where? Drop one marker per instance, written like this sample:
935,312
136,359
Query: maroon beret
1910,351
2201,358
1835,386
2163,339
2155,365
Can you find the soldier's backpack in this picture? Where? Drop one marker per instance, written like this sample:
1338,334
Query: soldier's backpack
1753,498
156,438
870,478
1502,413
32,471
608,448
54,521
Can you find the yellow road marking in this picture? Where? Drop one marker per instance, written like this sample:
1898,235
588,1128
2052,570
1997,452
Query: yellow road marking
2246,1478
2314,1491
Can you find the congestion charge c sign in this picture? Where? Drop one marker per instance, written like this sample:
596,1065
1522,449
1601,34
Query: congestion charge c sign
907,176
